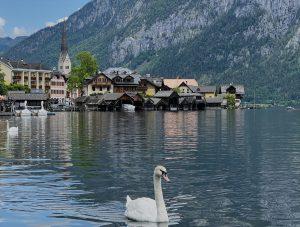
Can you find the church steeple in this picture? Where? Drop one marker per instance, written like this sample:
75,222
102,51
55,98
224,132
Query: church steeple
64,62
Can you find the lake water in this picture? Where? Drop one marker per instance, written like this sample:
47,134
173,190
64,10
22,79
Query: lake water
227,168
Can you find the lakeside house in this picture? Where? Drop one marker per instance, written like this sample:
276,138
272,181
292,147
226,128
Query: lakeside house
150,85
98,84
170,97
155,104
208,91
237,90
124,80
34,99
109,101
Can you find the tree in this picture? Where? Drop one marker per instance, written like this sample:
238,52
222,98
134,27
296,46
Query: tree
230,101
177,90
3,88
87,67
18,87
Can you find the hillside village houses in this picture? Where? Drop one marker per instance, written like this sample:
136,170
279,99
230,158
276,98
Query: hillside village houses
109,89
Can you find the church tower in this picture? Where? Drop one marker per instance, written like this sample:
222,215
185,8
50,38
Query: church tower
64,62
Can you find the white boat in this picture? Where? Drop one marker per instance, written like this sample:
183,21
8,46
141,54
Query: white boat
290,108
25,112
128,107
42,111
173,108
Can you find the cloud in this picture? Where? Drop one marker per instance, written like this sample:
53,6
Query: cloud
62,19
51,24
2,24
19,31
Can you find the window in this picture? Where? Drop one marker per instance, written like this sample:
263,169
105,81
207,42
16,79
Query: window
100,88
93,88
61,67
67,67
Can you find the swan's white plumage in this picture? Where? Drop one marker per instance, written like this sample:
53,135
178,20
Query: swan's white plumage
146,209
141,209
12,131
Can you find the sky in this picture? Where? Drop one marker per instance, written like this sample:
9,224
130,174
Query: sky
24,17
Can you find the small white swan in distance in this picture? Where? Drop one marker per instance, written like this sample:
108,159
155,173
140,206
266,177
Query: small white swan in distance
146,209
11,130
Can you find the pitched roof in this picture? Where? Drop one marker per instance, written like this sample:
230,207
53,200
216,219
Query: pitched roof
112,96
239,88
155,101
174,83
214,100
22,96
157,82
82,99
194,88
190,94
123,73
93,100
21,64
164,94
187,100
91,78
58,74
207,89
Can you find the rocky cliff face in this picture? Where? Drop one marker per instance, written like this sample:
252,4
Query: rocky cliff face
255,42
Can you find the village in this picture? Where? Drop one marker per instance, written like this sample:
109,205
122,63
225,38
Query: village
113,89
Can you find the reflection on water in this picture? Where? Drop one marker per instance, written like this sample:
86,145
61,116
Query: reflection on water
235,168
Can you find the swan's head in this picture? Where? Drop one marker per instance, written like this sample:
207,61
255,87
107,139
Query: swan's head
161,172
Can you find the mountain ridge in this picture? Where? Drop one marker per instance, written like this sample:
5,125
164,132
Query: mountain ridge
254,42
7,42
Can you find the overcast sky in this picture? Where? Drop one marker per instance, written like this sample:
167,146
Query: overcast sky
24,17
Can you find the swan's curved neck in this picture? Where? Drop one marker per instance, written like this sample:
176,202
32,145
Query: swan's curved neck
162,215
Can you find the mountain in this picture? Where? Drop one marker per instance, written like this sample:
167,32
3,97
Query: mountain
6,43
253,42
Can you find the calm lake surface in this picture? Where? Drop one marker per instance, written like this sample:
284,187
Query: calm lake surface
227,168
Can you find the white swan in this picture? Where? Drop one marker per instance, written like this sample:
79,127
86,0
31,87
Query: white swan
11,130
25,112
42,111
146,209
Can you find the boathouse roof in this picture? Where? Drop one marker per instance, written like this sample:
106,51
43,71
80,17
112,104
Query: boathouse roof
112,96
82,99
22,96
207,89
165,94
214,100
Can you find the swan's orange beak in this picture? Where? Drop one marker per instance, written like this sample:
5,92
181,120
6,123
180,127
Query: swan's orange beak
166,178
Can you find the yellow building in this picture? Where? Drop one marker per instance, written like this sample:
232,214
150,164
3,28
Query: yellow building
35,76
149,85
208,91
